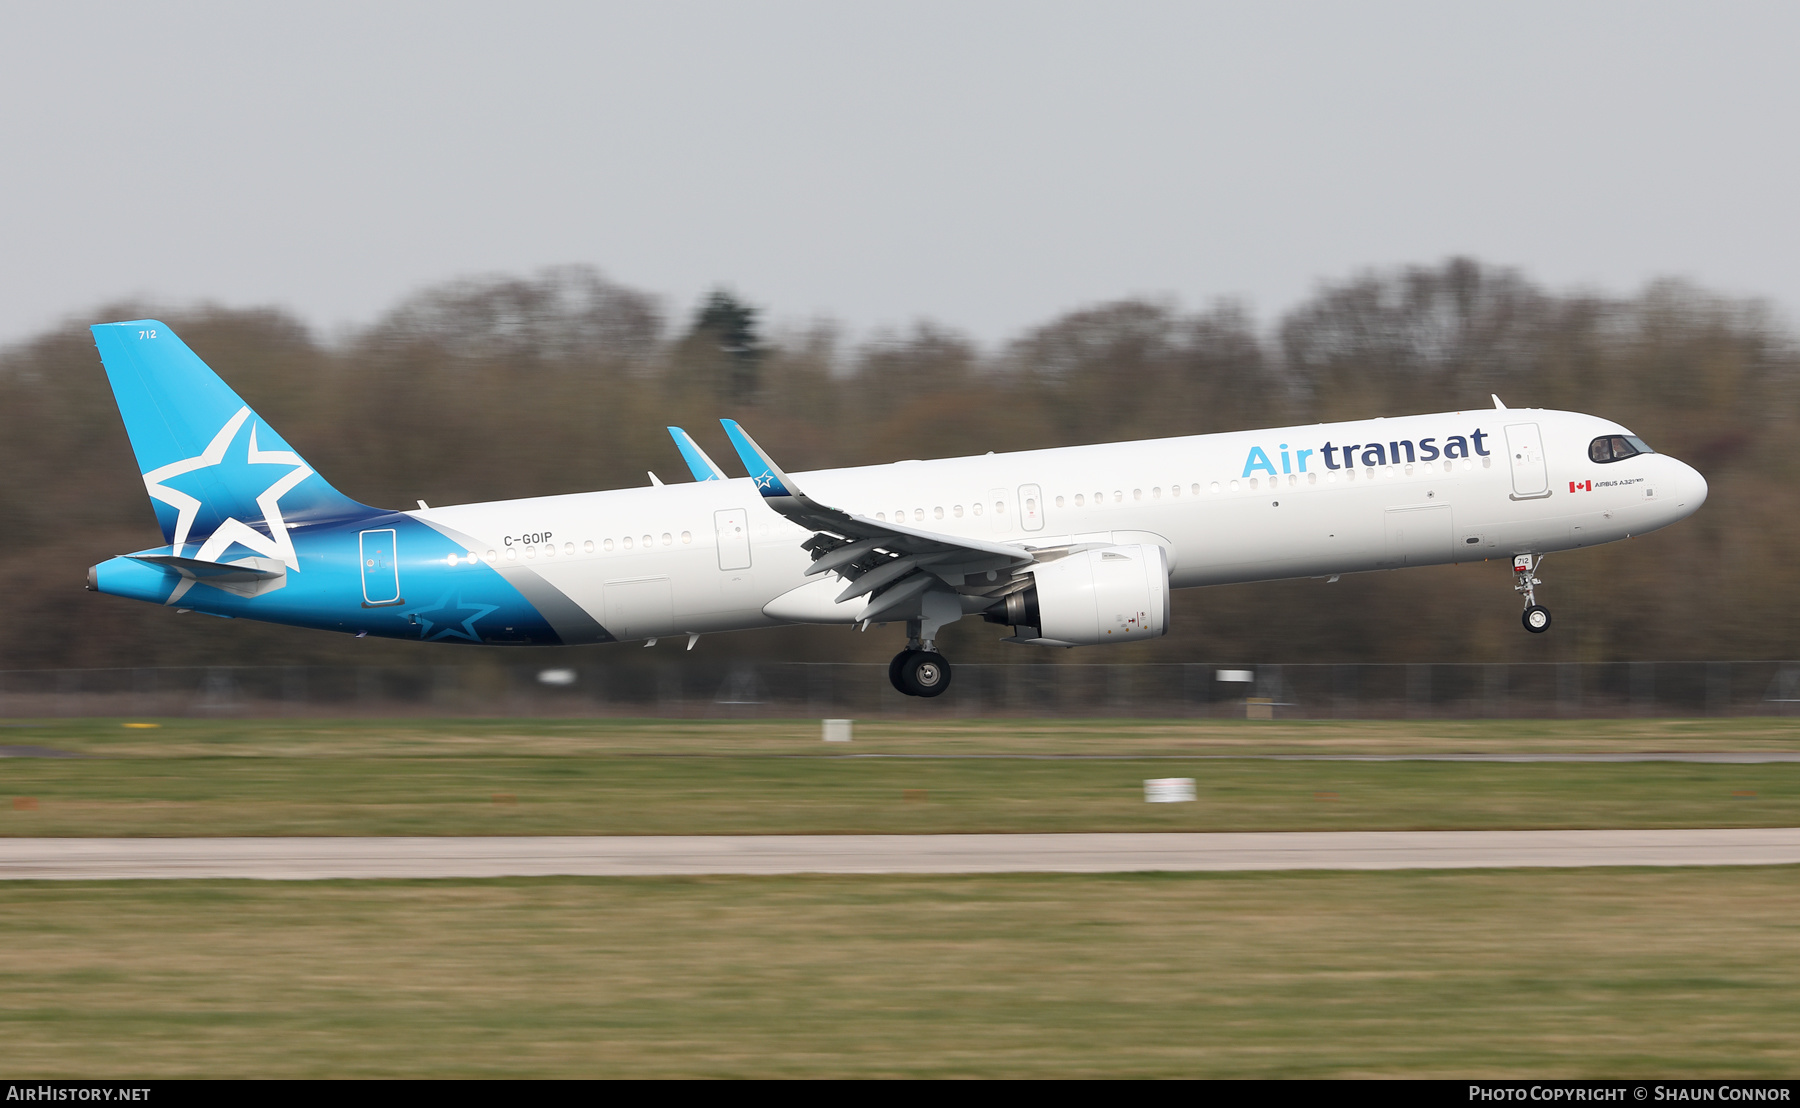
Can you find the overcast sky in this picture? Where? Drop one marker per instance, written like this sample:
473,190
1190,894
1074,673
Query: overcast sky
983,164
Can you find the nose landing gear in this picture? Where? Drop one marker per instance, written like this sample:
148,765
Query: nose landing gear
1536,617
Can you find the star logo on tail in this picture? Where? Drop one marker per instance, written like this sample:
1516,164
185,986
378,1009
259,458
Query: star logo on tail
277,543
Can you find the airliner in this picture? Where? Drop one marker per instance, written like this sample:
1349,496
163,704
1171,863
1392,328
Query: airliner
1073,546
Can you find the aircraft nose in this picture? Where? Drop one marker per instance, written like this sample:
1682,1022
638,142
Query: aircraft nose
1693,487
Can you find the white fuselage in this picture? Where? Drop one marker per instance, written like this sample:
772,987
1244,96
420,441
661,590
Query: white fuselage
1243,506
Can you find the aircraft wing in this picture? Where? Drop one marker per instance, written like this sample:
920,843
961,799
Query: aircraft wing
896,562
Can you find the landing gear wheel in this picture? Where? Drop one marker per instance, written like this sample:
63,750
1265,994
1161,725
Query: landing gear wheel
925,673
1536,619
894,670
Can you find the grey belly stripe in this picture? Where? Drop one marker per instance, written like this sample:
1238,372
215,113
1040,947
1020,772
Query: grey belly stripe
571,622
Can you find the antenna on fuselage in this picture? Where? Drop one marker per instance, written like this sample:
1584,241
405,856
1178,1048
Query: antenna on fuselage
1497,401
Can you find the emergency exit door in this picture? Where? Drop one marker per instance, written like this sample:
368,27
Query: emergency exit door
1031,508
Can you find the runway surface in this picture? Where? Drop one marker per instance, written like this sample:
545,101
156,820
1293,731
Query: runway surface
299,859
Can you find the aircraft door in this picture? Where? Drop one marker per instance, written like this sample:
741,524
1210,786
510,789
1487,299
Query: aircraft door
1031,508
1525,448
732,526
380,568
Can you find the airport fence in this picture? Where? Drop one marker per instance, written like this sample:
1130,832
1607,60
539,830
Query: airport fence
700,688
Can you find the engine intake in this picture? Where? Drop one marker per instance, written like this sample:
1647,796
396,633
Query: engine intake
1109,594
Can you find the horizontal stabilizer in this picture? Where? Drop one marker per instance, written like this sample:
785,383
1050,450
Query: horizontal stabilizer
245,577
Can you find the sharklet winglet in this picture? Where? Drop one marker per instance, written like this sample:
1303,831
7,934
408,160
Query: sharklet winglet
699,464
770,480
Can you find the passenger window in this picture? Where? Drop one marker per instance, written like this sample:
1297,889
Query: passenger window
1059,502
1080,500
608,545
627,541
588,546
976,509
937,513
687,537
957,511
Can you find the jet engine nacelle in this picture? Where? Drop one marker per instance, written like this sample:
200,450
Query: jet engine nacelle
1109,594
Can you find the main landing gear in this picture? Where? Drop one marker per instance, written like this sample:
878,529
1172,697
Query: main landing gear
919,670
1536,617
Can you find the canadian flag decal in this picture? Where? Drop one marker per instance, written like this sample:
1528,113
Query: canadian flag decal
1581,486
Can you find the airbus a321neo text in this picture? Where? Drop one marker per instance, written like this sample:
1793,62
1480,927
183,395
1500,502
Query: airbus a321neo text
1068,547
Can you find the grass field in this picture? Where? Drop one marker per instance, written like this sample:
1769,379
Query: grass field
437,737
656,777
1547,973
1687,972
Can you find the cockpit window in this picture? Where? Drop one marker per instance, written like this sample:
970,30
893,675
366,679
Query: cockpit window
1615,448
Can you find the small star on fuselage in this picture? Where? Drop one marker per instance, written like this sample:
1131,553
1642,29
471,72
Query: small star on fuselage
445,618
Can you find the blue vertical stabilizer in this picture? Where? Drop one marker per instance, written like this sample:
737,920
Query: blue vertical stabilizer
219,477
